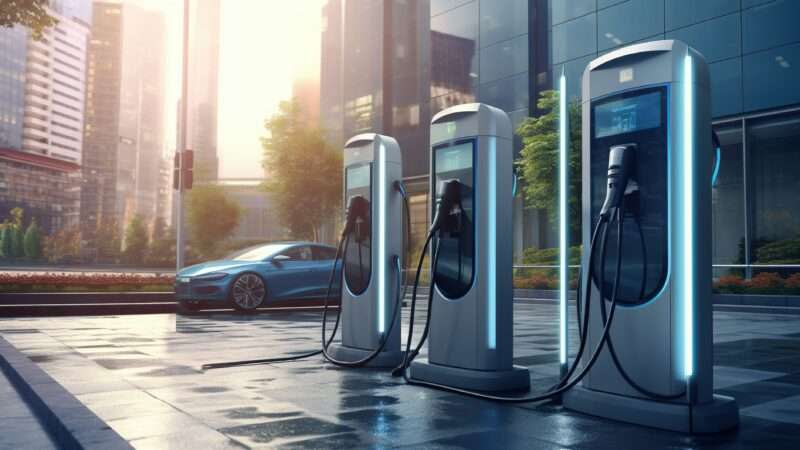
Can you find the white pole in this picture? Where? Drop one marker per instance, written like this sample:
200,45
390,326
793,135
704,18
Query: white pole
179,245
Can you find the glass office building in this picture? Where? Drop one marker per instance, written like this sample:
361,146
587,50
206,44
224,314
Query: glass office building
505,53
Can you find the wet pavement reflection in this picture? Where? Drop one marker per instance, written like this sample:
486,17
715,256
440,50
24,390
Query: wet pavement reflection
141,374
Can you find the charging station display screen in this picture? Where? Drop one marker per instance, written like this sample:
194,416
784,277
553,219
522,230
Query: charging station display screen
455,266
358,257
633,118
627,115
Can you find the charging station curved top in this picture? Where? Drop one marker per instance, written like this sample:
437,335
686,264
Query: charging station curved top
471,119
376,140
650,60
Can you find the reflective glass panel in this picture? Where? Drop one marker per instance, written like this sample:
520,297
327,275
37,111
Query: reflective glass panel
727,198
773,148
456,244
358,256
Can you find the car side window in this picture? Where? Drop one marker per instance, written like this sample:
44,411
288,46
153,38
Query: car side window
301,253
324,253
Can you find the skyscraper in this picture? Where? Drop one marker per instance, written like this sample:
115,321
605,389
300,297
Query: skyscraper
141,116
203,87
42,97
101,134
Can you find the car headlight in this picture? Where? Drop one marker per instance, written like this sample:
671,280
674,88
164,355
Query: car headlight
211,276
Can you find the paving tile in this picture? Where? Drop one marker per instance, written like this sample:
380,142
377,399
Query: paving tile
141,374
781,410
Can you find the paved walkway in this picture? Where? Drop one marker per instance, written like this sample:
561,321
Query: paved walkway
19,428
141,375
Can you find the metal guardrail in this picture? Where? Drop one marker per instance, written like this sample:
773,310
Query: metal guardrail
715,266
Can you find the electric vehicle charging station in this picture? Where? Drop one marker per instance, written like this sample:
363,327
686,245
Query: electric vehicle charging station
370,283
471,307
651,102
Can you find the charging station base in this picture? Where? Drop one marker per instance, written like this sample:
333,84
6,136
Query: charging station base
385,359
720,414
516,379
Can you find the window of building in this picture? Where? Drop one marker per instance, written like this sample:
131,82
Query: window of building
773,153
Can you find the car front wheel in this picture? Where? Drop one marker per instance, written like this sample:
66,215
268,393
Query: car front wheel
248,292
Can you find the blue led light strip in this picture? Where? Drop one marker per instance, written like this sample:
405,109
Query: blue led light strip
382,239
687,169
562,211
491,286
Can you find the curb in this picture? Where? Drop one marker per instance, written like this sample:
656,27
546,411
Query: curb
71,424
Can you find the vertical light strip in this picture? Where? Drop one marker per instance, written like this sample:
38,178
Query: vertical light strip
562,213
382,238
687,154
491,219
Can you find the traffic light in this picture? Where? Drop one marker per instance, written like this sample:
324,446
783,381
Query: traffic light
187,169
176,172
183,170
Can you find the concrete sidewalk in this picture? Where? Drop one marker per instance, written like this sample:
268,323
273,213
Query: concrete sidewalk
19,426
140,374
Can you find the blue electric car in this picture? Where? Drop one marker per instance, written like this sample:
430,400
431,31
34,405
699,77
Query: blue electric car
251,277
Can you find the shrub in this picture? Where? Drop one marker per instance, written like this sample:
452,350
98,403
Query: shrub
793,282
787,250
766,280
32,242
16,282
730,284
536,281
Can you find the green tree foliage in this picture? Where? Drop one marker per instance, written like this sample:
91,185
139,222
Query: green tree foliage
32,241
16,215
303,172
5,240
32,14
212,216
136,241
17,244
162,247
63,246
108,241
538,161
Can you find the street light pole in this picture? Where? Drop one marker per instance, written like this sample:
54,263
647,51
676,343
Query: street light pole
183,144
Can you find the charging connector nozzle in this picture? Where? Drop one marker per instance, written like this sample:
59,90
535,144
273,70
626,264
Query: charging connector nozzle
448,204
621,166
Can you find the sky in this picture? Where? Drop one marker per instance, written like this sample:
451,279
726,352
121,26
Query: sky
264,45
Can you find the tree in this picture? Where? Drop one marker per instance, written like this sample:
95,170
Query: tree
304,173
5,240
32,241
108,241
212,216
162,247
135,241
63,246
32,14
16,215
17,245
538,161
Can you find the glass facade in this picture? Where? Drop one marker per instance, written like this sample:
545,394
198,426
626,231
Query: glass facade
13,47
753,51
449,52
752,47
480,52
773,165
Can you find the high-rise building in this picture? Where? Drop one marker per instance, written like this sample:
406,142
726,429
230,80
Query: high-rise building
330,101
101,132
141,117
41,131
505,53
203,87
306,92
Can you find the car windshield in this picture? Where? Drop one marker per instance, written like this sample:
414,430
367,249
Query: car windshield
258,253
